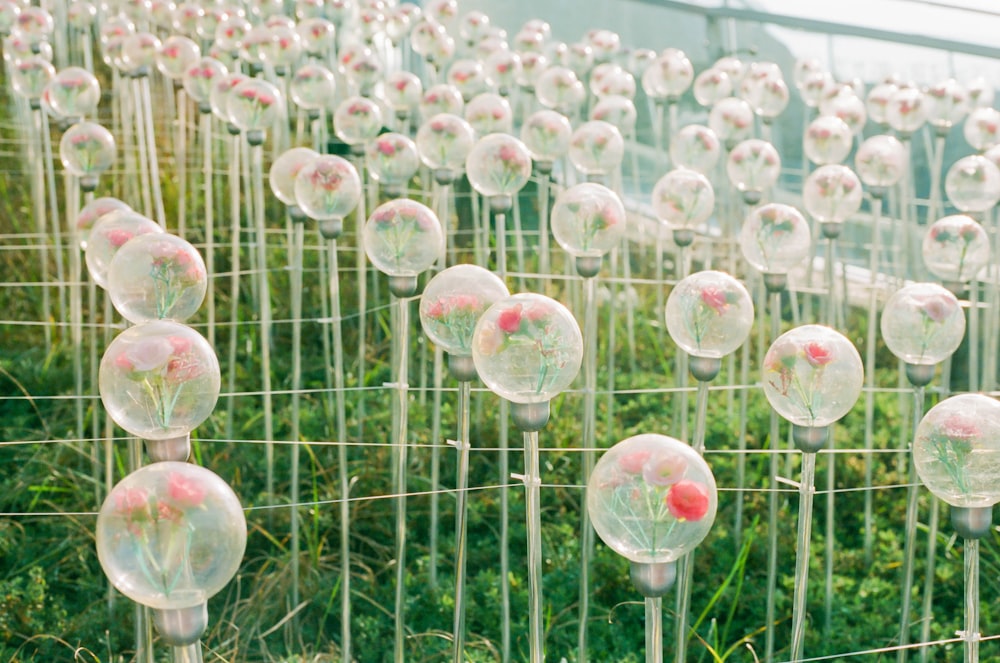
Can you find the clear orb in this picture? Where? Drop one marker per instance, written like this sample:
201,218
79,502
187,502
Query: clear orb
948,104
74,92
527,348
956,248
827,140
712,85
973,184
219,96
318,35
403,91
357,120
157,276
176,55
956,450
171,535
452,303
312,87
596,148
709,314
616,110
907,110
588,220
502,69
877,102
753,165
981,93
441,98
403,238
982,128
159,380
683,198
327,187
468,77
109,234
139,51
652,499
881,161
669,76
732,120
255,105
284,169
832,193
91,213
558,88
444,142
199,77
31,75
695,147
489,113
392,159
546,134
532,66
775,238
923,323
87,149
614,81
848,107
812,375
498,165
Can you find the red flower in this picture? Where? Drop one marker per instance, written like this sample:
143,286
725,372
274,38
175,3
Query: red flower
958,427
185,492
435,310
687,500
664,470
714,298
133,503
633,462
385,147
179,344
818,354
401,84
124,363
937,308
510,320
118,236
498,114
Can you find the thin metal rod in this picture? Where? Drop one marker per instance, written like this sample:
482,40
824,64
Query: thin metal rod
870,346
235,147
401,336
971,634
295,259
154,166
264,293
654,630
806,491
188,654
532,487
909,540
462,444
589,454
209,214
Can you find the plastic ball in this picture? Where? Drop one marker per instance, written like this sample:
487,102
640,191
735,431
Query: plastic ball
695,147
284,169
709,314
956,450
775,238
171,535
652,499
159,380
881,161
87,149
489,113
157,276
312,87
596,148
327,187
444,142
683,198
527,348
546,134
109,234
732,120
923,323
441,98
498,165
452,303
832,193
753,165
973,184
403,238
357,120
74,92
812,375
588,220
91,213
956,248
827,140
403,92
907,110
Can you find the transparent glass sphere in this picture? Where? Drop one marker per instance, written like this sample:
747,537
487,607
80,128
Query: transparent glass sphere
683,198
923,323
652,499
80,15
973,184
558,88
109,234
403,238
441,98
832,193
877,102
444,142
159,380
205,29
199,77
312,87
318,35
255,105
956,450
712,85
35,23
502,69
327,187
982,128
802,68
775,238
91,213
31,75
753,165
606,44
848,107
669,76
284,169
732,120
709,314
424,33
596,148
443,11
9,12
171,535
955,248
812,375
695,147
529,41
230,32
87,149
588,220
363,68
498,165
993,154
284,48
527,348
532,66
452,303
768,97
468,77
881,161
392,159
252,44
616,110
357,120
546,134
139,51
813,86
828,139
186,17
398,24
556,54
219,96
489,113
176,55
157,276
403,91
907,110
473,25
948,104
607,80
74,92
981,93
